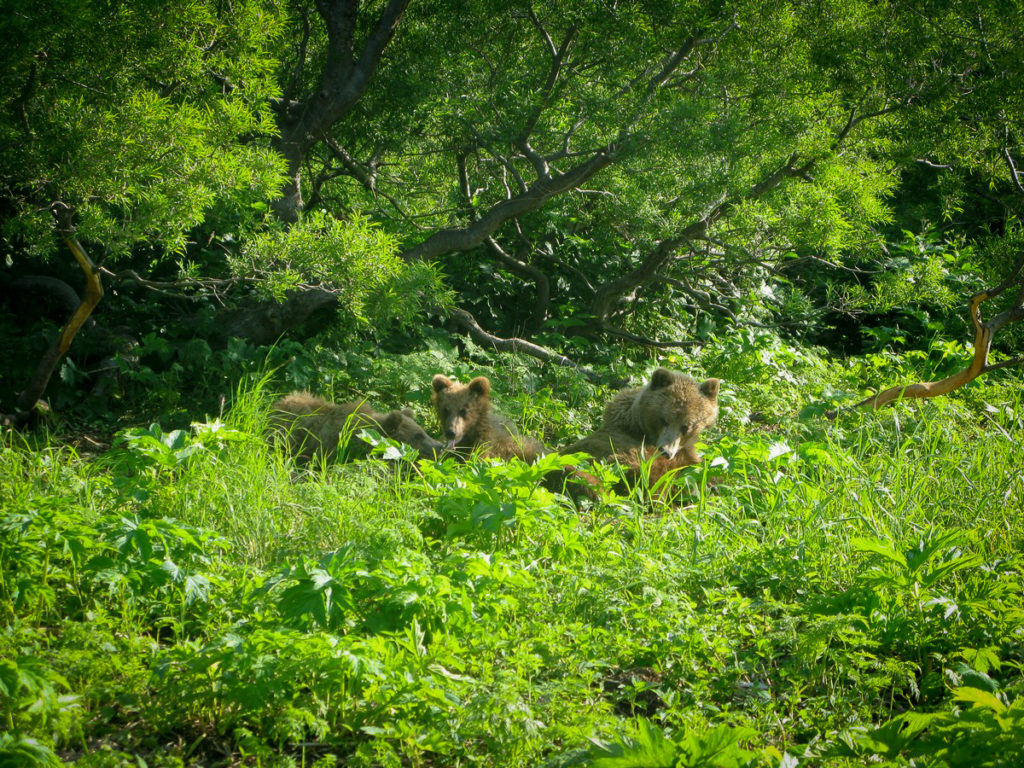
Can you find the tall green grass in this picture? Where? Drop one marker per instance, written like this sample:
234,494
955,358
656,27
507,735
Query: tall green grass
197,598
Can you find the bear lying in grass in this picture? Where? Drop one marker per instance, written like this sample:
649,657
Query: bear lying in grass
313,427
468,421
656,425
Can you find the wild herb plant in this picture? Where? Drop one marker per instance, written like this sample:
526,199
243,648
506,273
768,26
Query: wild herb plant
823,591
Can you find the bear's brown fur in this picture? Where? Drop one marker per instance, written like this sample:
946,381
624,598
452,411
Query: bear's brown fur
468,421
657,424
314,427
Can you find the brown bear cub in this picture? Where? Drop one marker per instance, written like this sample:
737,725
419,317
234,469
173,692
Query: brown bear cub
660,421
468,422
314,426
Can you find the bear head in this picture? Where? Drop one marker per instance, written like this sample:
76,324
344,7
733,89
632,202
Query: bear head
461,408
402,426
673,409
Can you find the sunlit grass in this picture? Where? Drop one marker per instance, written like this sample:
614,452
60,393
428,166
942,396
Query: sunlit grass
813,579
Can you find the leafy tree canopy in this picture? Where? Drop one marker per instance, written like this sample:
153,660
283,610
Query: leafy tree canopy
138,116
646,172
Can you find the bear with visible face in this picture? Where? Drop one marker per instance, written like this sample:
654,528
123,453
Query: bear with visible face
658,423
314,427
468,421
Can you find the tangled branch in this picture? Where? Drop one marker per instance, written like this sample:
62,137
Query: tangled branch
983,335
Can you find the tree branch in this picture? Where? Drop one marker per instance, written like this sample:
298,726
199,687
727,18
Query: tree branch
356,170
608,294
1014,173
530,272
483,338
295,79
37,384
448,240
165,287
342,83
557,60
983,335
643,340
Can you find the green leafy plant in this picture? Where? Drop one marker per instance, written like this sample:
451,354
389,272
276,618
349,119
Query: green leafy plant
163,565
982,727
492,502
352,256
31,703
651,748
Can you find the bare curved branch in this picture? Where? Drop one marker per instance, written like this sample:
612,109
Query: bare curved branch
93,294
983,335
483,338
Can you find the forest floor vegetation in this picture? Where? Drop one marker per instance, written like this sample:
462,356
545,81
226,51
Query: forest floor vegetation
819,591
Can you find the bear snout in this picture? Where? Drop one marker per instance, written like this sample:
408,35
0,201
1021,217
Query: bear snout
669,442
670,450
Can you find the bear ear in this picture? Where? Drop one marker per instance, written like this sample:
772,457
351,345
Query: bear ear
441,383
390,423
710,387
662,378
480,386
407,413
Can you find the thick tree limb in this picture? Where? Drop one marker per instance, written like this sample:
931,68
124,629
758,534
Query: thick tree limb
983,335
37,384
343,81
485,339
448,240
264,322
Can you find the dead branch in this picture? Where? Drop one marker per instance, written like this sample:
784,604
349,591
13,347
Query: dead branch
643,341
170,288
983,335
485,339
93,293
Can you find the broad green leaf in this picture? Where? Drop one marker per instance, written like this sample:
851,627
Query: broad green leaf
879,548
979,698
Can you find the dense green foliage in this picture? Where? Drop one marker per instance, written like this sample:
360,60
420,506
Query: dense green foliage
795,197
656,170
831,592
130,121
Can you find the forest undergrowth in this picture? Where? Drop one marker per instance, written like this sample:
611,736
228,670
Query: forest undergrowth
820,591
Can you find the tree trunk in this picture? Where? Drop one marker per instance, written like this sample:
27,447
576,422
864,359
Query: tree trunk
37,384
342,83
